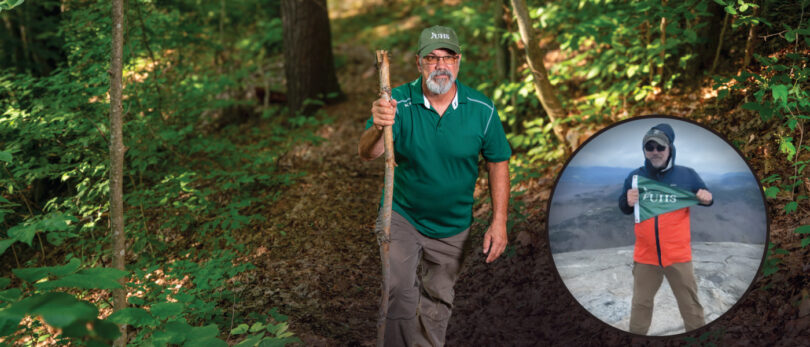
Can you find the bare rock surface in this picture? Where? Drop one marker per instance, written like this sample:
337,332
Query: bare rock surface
601,281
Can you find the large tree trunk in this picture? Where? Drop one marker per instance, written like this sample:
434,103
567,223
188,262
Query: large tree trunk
707,49
308,61
542,86
117,160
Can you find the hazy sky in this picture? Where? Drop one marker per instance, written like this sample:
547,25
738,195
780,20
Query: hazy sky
696,147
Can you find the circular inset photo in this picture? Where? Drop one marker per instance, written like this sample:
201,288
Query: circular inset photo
657,226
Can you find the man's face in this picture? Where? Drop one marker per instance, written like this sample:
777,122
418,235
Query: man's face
438,70
656,154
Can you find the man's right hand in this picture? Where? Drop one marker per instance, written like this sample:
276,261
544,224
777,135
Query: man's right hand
371,141
632,197
383,112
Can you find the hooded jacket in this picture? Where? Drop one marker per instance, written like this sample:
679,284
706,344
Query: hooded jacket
665,239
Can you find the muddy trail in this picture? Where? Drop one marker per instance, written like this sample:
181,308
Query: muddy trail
318,262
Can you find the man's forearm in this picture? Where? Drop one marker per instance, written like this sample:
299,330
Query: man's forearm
499,190
371,144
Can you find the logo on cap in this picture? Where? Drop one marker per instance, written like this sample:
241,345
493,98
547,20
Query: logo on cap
439,36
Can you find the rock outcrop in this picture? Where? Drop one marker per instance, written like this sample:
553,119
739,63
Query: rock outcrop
602,281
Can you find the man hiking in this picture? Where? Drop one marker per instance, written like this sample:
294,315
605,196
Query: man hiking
440,127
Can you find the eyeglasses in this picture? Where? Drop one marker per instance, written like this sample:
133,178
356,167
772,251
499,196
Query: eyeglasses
434,59
652,146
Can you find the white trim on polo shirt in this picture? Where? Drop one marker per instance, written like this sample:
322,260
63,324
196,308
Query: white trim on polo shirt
453,103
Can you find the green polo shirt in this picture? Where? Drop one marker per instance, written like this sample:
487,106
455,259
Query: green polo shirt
437,157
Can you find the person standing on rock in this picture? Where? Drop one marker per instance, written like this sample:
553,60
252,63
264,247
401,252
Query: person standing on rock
662,245
440,128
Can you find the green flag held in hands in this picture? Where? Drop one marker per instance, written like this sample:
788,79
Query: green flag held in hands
655,198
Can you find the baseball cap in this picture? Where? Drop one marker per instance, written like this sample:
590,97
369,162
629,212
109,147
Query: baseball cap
437,37
656,135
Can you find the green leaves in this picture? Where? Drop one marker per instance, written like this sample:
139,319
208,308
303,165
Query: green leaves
55,134
786,146
791,207
6,5
93,278
137,317
265,335
780,92
60,310
5,156
771,192
771,264
171,329
5,244
166,309
174,332
204,336
10,295
804,230
35,274
250,341
240,329
67,276
765,112
57,309
100,328
25,231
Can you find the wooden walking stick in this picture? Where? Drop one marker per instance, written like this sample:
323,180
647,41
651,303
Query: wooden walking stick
384,238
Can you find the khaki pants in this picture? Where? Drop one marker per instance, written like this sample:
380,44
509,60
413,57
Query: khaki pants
646,281
419,307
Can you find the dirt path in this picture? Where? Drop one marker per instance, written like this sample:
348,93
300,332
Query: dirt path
320,261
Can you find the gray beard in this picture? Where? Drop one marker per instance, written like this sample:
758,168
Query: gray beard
440,88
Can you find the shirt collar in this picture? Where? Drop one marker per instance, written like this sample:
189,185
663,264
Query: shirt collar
454,103
418,97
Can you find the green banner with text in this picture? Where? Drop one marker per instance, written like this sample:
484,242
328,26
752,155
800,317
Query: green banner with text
655,198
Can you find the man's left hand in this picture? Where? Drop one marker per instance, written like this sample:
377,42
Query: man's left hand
704,196
495,241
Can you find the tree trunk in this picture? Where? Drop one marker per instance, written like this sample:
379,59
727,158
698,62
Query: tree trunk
14,52
542,86
501,46
663,45
117,160
24,36
308,61
750,42
706,50
646,30
219,57
719,45
505,52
